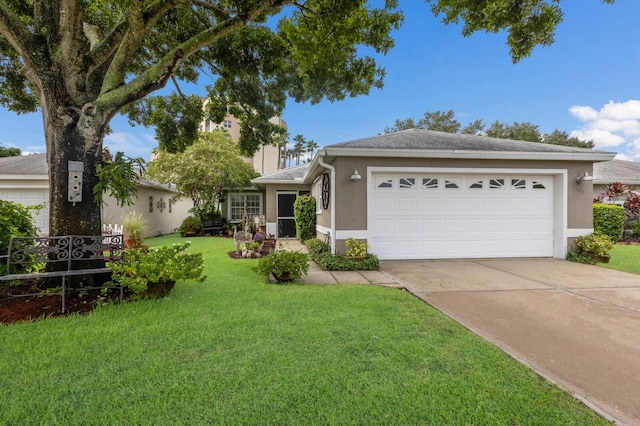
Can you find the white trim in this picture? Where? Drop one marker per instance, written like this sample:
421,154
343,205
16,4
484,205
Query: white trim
560,180
343,234
23,177
323,229
466,154
23,186
576,232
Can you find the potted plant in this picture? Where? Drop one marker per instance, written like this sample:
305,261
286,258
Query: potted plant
190,226
229,228
152,272
134,227
284,265
595,247
356,250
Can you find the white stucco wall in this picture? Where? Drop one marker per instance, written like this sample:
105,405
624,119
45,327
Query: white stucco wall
35,190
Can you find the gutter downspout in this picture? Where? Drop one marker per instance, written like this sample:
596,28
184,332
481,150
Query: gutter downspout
332,198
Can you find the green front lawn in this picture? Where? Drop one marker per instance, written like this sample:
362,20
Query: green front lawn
624,258
235,350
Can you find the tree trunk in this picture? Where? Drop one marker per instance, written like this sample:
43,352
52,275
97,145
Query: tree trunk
70,137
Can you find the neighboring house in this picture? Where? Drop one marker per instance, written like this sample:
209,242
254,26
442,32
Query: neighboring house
420,194
25,180
267,159
606,172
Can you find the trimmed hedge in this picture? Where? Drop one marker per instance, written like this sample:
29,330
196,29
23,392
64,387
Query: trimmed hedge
304,211
609,219
330,262
316,246
319,252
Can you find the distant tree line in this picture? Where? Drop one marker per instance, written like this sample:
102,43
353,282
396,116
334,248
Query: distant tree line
9,152
445,121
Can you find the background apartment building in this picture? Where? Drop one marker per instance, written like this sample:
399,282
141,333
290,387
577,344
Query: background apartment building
268,158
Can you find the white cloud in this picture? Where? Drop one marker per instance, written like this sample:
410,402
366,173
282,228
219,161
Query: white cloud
629,110
601,137
583,113
132,144
614,125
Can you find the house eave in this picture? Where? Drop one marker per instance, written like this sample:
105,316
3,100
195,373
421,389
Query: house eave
595,156
608,181
24,177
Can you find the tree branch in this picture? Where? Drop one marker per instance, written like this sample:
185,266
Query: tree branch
114,94
17,34
140,23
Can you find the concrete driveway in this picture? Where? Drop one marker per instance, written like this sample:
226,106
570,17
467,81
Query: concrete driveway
577,325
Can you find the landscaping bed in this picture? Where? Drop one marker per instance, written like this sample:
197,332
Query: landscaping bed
23,306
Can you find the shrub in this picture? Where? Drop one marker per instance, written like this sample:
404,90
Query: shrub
15,221
330,262
284,265
142,266
356,248
316,246
304,212
635,229
609,219
591,248
190,222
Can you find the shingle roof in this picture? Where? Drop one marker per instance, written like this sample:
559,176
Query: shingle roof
431,140
292,174
617,171
34,164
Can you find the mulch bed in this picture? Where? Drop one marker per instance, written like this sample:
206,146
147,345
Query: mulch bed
30,307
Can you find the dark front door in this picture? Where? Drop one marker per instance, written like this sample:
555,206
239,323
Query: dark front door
286,220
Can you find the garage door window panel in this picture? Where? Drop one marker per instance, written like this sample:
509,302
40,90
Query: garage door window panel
452,183
518,184
479,184
383,182
407,183
430,183
496,183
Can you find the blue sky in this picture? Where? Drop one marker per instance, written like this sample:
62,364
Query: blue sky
587,83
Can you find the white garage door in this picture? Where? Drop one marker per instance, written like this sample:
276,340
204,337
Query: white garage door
436,216
31,197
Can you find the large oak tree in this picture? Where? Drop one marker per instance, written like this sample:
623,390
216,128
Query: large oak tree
80,62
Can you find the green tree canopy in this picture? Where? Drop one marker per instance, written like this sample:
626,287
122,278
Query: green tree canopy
516,131
558,137
528,23
204,170
9,152
445,121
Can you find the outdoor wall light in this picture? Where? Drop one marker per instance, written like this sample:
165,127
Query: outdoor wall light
355,176
584,176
